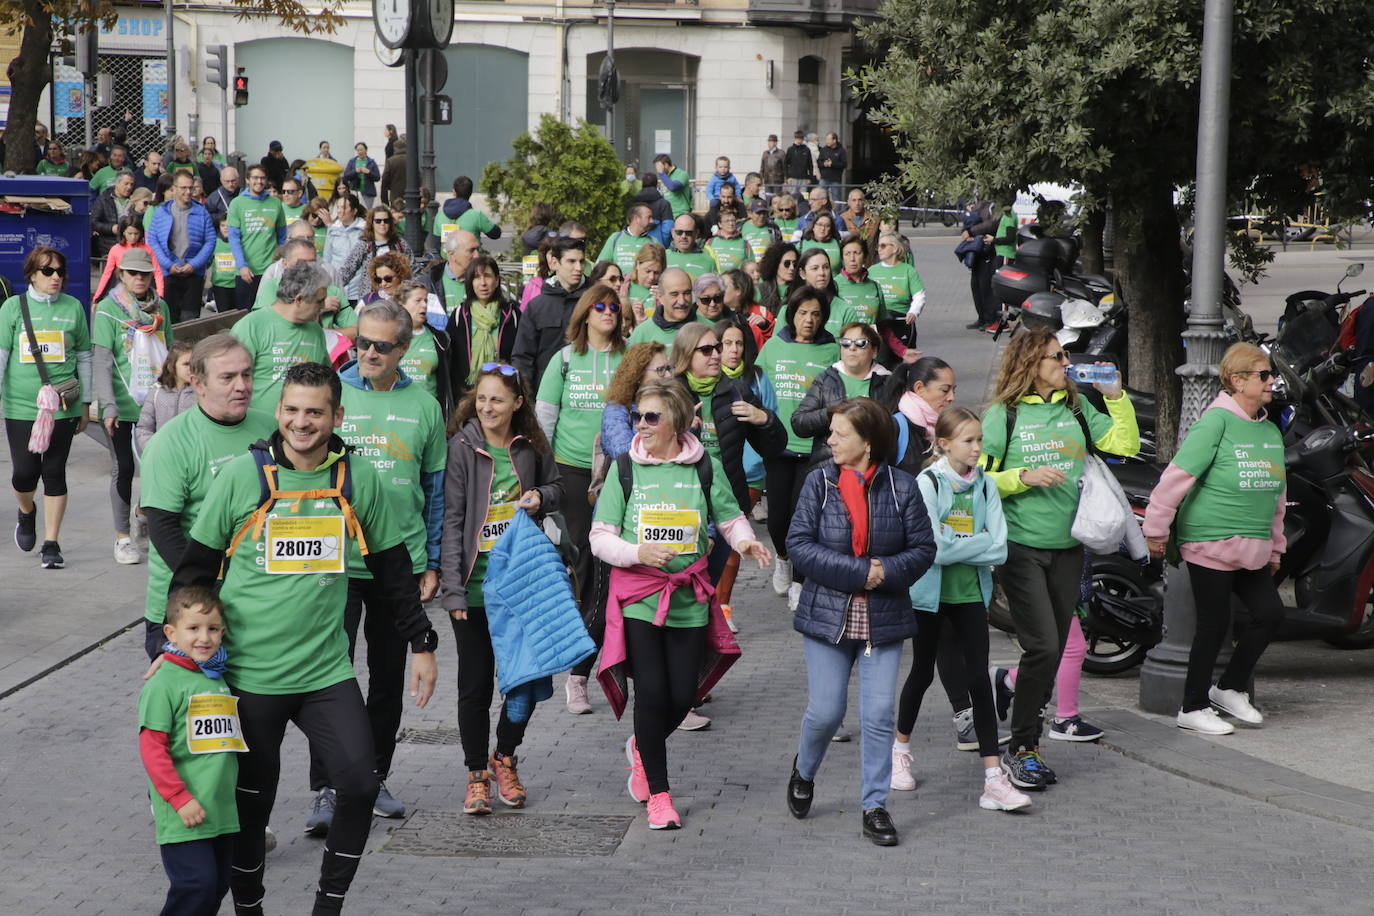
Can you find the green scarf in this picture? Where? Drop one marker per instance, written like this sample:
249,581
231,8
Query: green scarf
484,318
736,372
704,387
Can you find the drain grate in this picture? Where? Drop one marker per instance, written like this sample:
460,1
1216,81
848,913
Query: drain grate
439,735
508,835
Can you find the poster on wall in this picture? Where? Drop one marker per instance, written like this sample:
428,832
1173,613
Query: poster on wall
154,91
4,107
68,99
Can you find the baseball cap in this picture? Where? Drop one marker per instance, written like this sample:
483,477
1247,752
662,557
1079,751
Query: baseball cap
136,259
274,145
758,206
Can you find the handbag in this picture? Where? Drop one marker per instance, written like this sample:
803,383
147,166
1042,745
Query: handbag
68,390
1103,513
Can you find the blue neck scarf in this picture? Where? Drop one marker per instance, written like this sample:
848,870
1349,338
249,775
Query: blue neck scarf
213,667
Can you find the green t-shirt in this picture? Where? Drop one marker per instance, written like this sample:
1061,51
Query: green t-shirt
898,283
831,248
841,314
695,263
622,248
788,229
222,269
728,253
505,489
959,581
321,236
62,332
284,632
421,361
650,332
672,492
257,222
164,705
292,213
1005,226
1240,466
580,396
681,199
401,433
178,465
175,166
758,237
148,213
854,387
707,433
267,294
53,168
865,298
276,345
111,328
345,317
473,220
102,179
643,295
455,291
792,367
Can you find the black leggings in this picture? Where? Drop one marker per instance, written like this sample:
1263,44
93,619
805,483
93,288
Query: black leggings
26,468
785,476
225,299
335,721
969,623
665,663
476,676
577,515
1212,593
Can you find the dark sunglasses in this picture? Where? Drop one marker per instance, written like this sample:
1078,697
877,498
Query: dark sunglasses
788,263
291,190
708,349
684,232
137,273
381,346
651,417
382,220
1058,356
507,371
850,344
1264,374
787,212
612,307
713,300
385,278
50,271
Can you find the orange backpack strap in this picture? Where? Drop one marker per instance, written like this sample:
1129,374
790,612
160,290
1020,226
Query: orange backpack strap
270,495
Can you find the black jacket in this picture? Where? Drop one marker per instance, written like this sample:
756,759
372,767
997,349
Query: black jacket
917,447
105,222
812,416
660,208
797,161
460,342
831,162
769,440
713,214
543,330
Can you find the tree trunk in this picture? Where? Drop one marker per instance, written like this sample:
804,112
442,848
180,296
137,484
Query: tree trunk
28,74
1150,270
1091,226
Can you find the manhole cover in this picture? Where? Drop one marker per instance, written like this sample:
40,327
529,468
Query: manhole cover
428,736
511,836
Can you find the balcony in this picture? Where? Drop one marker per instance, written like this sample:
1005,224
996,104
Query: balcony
825,15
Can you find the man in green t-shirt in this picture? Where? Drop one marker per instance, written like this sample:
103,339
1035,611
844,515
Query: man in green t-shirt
395,425
676,184
459,213
674,309
728,249
297,251
684,252
445,278
622,246
292,203
284,590
286,332
105,175
257,226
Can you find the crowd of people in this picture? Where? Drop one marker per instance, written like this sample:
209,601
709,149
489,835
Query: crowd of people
360,442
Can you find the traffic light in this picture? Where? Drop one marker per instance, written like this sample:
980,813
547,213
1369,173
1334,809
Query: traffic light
216,73
240,89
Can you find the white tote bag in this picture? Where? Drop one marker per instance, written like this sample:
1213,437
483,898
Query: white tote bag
1103,513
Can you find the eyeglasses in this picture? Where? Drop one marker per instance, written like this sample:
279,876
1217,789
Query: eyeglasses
382,220
611,307
650,418
788,263
291,190
1264,374
507,371
1058,356
847,343
663,371
386,278
718,299
708,349
50,271
684,232
381,346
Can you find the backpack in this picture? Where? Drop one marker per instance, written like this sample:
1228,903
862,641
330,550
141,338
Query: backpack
625,470
341,493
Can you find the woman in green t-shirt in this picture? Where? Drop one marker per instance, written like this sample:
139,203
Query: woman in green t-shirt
777,272
856,375
499,463
821,234
64,345
901,284
648,267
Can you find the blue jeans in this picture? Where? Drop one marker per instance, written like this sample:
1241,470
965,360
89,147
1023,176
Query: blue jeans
827,677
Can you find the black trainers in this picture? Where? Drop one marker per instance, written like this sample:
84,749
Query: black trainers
1025,769
26,532
1050,777
51,555
975,325
878,827
799,793
1001,693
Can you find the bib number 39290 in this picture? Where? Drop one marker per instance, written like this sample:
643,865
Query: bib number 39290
305,546
212,724
675,528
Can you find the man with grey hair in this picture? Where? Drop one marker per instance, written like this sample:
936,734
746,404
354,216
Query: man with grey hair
286,332
298,229
819,199
219,200
391,421
445,278
301,250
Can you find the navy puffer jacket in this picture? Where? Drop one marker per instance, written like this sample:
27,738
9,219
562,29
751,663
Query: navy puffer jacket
820,545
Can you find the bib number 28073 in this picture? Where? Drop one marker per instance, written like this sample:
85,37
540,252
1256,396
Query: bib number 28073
305,546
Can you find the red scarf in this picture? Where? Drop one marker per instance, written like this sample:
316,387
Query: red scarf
854,494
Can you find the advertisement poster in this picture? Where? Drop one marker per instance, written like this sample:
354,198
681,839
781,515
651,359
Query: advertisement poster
68,99
154,91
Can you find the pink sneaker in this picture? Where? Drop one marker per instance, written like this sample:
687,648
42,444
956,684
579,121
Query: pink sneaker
1000,795
639,783
662,814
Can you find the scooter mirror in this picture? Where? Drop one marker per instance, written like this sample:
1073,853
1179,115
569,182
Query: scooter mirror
1354,270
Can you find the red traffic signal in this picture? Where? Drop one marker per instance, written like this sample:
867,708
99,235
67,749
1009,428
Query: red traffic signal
240,89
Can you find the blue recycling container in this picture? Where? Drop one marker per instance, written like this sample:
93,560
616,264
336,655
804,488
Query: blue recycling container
69,233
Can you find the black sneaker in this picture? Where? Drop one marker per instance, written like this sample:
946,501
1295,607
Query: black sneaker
321,813
878,827
975,325
51,555
1050,777
799,793
26,532
1025,769
1001,693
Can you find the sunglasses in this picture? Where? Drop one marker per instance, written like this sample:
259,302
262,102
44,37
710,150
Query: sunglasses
382,220
611,307
507,371
791,262
381,346
684,232
852,344
1058,356
386,278
718,299
664,371
1264,374
291,190
708,349
787,213
137,273
50,271
650,418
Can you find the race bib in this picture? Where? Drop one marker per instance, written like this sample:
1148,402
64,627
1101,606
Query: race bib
212,724
499,517
675,528
960,523
529,265
305,546
51,344
445,230
224,262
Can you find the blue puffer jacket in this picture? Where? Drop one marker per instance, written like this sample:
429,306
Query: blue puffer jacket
200,237
536,628
820,545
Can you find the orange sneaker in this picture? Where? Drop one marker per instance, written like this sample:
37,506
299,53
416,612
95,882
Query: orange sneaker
509,788
478,798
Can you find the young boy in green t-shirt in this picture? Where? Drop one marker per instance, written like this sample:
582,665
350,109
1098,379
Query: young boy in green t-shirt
188,734
222,270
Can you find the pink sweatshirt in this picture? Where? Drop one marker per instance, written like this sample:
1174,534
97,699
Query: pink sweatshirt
1227,554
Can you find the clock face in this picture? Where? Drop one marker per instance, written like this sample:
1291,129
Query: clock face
391,57
393,21
440,14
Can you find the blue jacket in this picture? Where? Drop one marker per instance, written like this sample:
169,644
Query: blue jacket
713,186
536,628
200,236
819,544
362,184
985,549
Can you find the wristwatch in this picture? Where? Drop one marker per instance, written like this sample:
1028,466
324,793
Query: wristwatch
427,641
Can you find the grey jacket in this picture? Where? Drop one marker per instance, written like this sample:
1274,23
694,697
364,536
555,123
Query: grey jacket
158,410
467,491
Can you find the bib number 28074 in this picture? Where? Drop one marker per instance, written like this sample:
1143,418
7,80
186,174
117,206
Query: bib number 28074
212,724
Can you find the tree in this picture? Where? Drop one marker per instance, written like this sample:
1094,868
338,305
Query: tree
573,168
29,72
996,94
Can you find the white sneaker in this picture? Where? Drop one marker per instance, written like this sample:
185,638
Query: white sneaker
125,553
1000,795
1204,720
782,575
694,722
575,692
1235,703
760,512
902,778
793,596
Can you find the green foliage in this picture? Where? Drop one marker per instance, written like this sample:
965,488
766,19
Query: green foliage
573,168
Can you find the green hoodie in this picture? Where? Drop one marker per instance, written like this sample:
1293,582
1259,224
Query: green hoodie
792,367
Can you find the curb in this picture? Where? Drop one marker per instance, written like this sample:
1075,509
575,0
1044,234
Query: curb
1172,750
59,665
